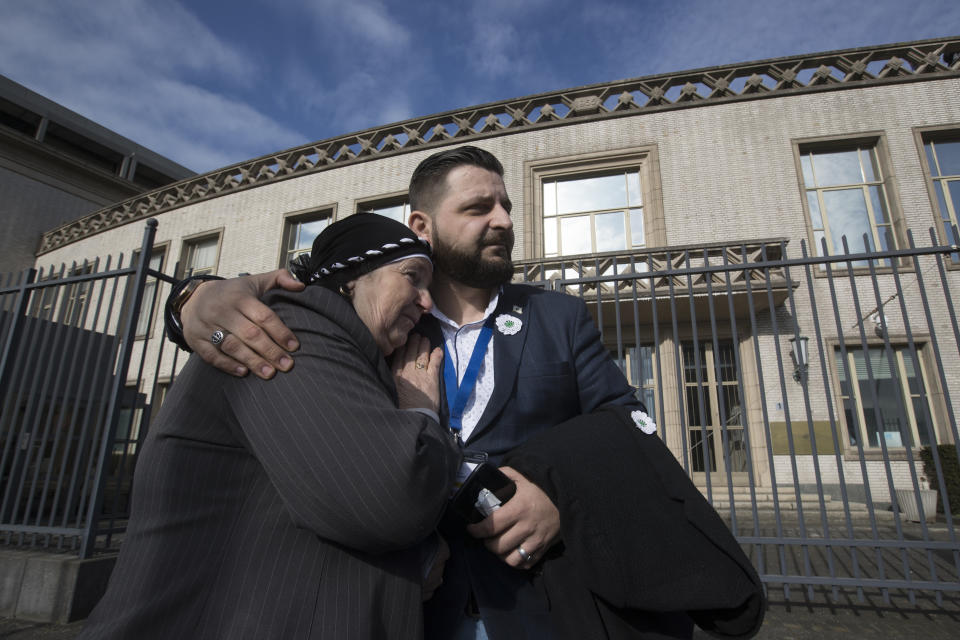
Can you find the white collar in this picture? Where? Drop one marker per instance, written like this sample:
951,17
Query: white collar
439,315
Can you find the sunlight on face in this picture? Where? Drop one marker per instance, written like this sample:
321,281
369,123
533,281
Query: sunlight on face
391,299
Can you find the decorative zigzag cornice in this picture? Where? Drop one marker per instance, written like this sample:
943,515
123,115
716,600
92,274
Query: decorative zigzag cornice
834,70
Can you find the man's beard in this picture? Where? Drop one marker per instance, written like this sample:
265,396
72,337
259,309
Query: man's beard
472,269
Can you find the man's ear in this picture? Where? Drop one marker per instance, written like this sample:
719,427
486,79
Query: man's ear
419,223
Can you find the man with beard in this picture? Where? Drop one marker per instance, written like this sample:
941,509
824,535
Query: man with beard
524,360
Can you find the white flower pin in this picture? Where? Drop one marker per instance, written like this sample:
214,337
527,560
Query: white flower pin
644,422
508,325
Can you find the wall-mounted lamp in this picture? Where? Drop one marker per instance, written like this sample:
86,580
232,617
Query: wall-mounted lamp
800,357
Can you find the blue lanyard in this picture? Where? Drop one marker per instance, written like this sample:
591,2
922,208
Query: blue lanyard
458,394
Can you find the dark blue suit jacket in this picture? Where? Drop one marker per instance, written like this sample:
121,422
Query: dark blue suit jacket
553,369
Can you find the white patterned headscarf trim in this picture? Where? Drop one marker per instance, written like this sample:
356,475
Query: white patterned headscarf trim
356,245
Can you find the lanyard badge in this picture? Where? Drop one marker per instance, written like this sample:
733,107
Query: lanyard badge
459,394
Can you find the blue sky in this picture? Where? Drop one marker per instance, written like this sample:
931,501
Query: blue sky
215,82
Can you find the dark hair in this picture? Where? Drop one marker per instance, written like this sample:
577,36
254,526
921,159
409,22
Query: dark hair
429,178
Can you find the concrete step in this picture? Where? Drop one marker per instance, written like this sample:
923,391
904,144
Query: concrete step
812,505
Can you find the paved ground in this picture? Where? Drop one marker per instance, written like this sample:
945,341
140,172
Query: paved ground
801,619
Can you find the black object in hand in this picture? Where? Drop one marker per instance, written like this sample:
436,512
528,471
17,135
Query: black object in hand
485,484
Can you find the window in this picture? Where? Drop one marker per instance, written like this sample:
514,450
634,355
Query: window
846,196
704,390
592,214
159,395
200,255
300,232
59,302
639,366
43,301
943,162
149,303
394,208
889,399
75,296
595,203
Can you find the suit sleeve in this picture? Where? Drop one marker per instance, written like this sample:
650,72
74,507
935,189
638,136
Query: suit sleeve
349,465
599,381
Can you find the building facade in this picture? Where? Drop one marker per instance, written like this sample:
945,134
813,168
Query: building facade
769,250
56,166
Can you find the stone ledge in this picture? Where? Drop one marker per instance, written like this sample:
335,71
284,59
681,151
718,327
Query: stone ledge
51,587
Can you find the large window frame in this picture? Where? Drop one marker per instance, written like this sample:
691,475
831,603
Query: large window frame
875,183
395,206
296,239
705,389
639,367
538,173
191,245
854,407
158,261
943,182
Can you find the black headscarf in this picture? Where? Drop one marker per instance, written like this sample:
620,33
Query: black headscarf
356,245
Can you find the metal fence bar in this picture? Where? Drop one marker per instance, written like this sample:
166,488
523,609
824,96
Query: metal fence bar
758,362
77,468
679,372
77,387
59,351
27,436
828,396
925,407
898,562
126,335
80,490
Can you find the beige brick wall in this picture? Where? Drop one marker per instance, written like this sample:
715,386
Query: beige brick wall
727,171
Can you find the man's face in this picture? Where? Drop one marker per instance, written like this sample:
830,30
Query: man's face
471,229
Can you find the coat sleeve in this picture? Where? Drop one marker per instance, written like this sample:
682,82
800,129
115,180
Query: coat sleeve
599,381
349,465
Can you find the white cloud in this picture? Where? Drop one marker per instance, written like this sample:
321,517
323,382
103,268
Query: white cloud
497,48
362,23
635,39
150,71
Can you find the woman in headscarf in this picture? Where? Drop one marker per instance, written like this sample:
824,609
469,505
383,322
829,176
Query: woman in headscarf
297,508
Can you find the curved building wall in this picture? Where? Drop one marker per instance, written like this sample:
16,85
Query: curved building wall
727,173
713,173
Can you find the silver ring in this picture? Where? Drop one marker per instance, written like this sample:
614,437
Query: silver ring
420,365
217,337
527,557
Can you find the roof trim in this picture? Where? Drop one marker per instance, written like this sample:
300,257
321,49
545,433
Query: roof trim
834,70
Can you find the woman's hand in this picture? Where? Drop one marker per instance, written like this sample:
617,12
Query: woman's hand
416,370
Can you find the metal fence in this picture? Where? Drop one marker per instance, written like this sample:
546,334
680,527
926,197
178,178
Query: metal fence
813,457
796,392
74,409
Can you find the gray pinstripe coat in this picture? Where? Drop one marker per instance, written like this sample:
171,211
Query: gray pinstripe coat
283,509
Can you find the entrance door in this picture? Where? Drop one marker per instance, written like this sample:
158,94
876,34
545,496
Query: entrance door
714,412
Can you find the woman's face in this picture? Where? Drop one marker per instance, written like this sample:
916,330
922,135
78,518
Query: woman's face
391,299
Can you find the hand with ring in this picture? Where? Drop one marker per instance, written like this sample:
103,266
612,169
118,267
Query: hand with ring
416,370
524,528
526,557
218,336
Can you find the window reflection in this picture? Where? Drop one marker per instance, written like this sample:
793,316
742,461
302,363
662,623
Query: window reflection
846,198
301,232
593,214
943,159
888,401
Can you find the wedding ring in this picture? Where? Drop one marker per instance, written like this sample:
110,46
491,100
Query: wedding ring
420,365
217,337
527,557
